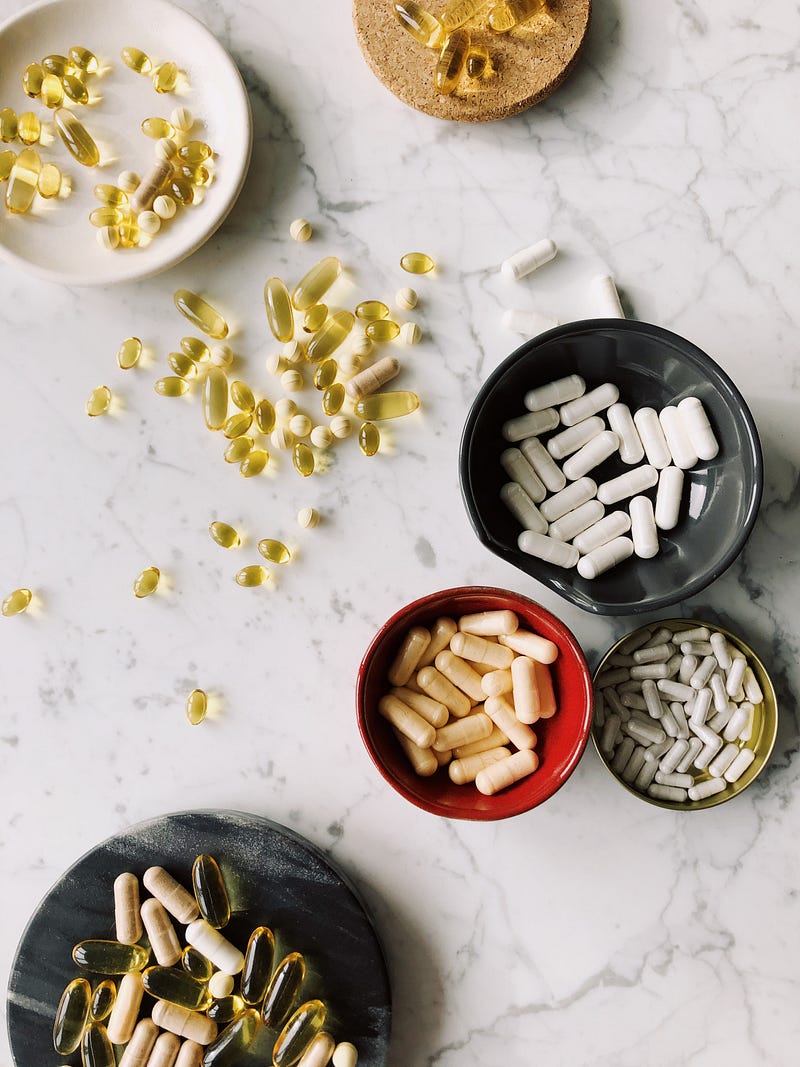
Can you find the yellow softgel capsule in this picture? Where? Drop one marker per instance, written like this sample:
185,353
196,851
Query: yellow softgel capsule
23,181
171,983
6,163
197,349
303,459
129,352
210,892
325,374
333,398
325,342
110,957
274,551
225,1010
75,89
158,128
49,184
29,128
382,330
370,310
257,970
137,60
106,216
196,964
104,996
57,64
457,12
8,124
171,386
99,401
183,365
386,405
129,232
510,13
238,449
32,78
194,152
71,1016
282,990
84,58
478,62
200,313
250,577
196,708
225,536
417,263
279,309
242,396
181,191
313,285
314,317
17,602
96,1047
238,425
110,195
146,583
79,142
215,398
165,77
298,1033
420,23
197,174
254,463
265,416
451,62
369,438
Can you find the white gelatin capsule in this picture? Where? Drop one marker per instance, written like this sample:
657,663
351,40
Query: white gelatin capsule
535,422
520,471
752,690
505,772
122,1021
542,462
548,549
622,754
706,789
701,676
644,732
489,623
610,734
634,765
674,756
505,719
532,645
529,259
720,648
210,942
478,650
591,455
654,653
467,768
699,707
737,721
621,422
717,686
613,525
127,920
698,428
646,775
668,497
179,902
678,441
407,721
605,297
739,765
687,668
643,527
589,404
675,690
723,759
650,670
558,392
574,437
575,522
529,323
652,436
735,676
628,484
652,700
666,792
699,633
522,508
707,753
695,744
602,559
526,689
568,499
682,781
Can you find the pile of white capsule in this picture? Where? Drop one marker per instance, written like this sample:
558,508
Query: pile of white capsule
562,511
677,713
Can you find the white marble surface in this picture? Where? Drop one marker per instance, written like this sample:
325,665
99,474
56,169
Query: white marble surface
595,930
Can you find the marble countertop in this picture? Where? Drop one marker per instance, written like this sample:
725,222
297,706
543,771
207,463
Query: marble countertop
597,929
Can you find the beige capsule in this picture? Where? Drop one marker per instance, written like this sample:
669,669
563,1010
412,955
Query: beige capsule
489,623
442,633
529,644
150,186
122,1021
165,1051
410,333
319,1051
408,655
503,716
459,672
140,1046
467,768
544,684
478,650
190,1055
126,909
163,939
430,710
496,739
434,683
407,721
179,902
371,379
505,772
495,683
526,689
463,732
423,760
341,426
185,1023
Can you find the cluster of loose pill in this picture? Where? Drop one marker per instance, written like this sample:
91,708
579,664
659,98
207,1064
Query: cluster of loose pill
200,1017
676,711
467,689
166,77
566,524
459,37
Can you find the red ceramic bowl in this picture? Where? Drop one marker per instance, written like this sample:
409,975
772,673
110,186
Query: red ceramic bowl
561,740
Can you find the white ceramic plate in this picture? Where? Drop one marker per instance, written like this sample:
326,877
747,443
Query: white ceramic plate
55,240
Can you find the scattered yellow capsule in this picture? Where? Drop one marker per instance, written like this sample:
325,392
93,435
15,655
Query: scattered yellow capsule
298,1033
129,232
370,310
265,416
106,216
333,398
49,184
226,536
181,190
303,459
75,89
197,174
146,583
165,77
171,386
6,163
479,64
17,602
137,60
195,152
196,706
391,405
129,352
254,463
8,124
238,425
420,23
200,313
509,13
111,195
195,348
249,577
382,330
325,341
369,438
99,401
157,128
29,128
23,180
274,551
417,263
104,997
32,78
242,396
313,285
183,365
279,309
450,67
238,449
314,317
84,58
79,142
325,374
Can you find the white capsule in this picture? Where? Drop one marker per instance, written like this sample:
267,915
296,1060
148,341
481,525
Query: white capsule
708,788
285,408
699,633
606,556
678,441
529,323
739,765
166,148
687,668
210,942
574,437
630,772
698,428
344,1055
522,508
164,206
695,745
568,499
589,404
717,686
535,422
575,522
301,425
621,422
558,392
548,549
410,333
682,781
628,484
673,756
406,299
643,527
605,297
699,706
591,455
707,753
738,721
613,525
666,792
700,678
752,690
220,985
648,733
529,259
735,674
652,437
646,775
723,759
668,497
108,237
542,462
720,648
520,471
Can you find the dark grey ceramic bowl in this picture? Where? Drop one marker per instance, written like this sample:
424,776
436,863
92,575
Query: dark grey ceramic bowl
652,368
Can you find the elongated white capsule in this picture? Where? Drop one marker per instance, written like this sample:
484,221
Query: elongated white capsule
589,404
738,721
489,623
752,690
210,942
614,525
723,759
706,789
605,297
652,437
631,449
673,756
568,499
505,772
628,484
555,393
522,507
668,497
677,437
735,676
532,645
529,323
604,557
542,462
700,678
575,522
720,649
520,471
739,765
548,549
698,428
574,437
529,259
643,528
591,455
535,422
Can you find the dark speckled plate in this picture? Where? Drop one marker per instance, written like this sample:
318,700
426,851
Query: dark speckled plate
274,877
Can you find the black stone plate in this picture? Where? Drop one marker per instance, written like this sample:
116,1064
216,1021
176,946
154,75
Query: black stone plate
274,877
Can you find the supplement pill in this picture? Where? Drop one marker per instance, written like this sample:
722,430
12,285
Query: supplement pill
129,352
210,891
165,77
591,455
257,969
371,379
589,404
678,442
200,313
308,518
171,387
321,437
643,528
279,309
29,128
574,437
300,230
76,138
406,299
32,78
161,933
548,549
529,323
698,428
178,987
196,706
462,675
178,901
146,583
127,920
215,398
298,1033
532,645
333,398
535,422
225,956
164,207
282,990
16,602
410,333
141,1045
606,298
540,459
420,23
668,497
274,551
505,772
628,484
620,420
408,655
253,463
234,1041
520,471
143,197
613,525
604,557
313,285
303,459
489,623
575,522
708,788
71,1016
652,437
417,263
184,1023
125,1012
110,957
739,765
23,181
341,426
369,438
104,996
529,259
522,507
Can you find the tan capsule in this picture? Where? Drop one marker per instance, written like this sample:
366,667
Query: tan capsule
321,437
411,725
442,633
495,683
503,716
526,689
126,909
300,230
430,710
161,932
301,425
150,185
434,683
292,381
367,381
463,732
319,1052
422,760
125,1012
467,768
459,672
408,655
489,623
184,1023
165,1051
308,518
505,772
544,684
220,985
496,739
179,902
531,645
476,649
190,1055
141,1044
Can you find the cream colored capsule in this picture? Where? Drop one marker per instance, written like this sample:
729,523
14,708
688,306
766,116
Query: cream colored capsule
301,425
345,1055
459,672
300,230
341,426
407,721
441,634
544,684
434,683
122,1021
529,644
179,902
505,772
149,187
282,438
495,683
410,333
184,1023
431,710
463,732
496,739
294,353
108,237
471,647
127,920
467,768
164,206
165,1051
149,222
504,717
128,181
526,689
406,299
275,364
422,760
141,1044
318,1053
489,623
221,355
371,379
408,655
308,518
211,944
182,119
161,932
220,985
190,1055
292,381
321,437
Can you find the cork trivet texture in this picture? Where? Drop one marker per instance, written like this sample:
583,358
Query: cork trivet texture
530,62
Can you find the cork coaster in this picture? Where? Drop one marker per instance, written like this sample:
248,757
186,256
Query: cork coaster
530,62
